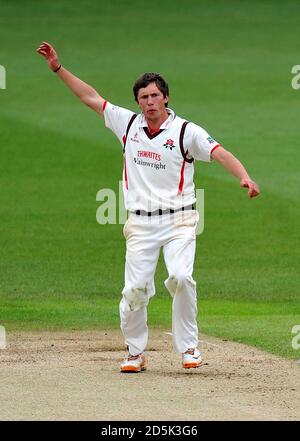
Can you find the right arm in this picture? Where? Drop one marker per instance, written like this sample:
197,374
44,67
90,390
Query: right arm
87,94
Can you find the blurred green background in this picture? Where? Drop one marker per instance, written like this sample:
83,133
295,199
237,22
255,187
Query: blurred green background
228,64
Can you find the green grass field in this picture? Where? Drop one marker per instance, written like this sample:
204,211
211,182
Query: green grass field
229,69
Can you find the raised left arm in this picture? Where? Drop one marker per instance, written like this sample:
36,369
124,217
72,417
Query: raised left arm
236,168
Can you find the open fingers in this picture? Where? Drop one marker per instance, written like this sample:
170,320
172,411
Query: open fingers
42,51
44,47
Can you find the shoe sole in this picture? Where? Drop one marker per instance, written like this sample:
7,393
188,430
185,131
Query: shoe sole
132,369
192,365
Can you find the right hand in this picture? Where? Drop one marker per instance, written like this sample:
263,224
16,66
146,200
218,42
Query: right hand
253,187
50,54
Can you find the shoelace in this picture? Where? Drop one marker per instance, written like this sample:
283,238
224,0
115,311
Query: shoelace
190,351
132,357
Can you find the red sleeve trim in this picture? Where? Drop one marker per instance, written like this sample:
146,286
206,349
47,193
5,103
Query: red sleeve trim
104,105
215,147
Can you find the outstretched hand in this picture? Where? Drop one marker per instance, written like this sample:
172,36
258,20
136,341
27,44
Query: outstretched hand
253,187
50,54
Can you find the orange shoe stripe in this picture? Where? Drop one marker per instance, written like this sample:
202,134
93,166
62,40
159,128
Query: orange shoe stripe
130,369
192,365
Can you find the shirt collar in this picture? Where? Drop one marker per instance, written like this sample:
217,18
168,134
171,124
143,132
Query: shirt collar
165,124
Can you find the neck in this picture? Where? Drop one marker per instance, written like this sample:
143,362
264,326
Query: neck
154,125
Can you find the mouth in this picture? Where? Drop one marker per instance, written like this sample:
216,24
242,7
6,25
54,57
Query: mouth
151,111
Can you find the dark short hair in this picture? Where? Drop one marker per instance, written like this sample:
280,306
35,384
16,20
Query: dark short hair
148,78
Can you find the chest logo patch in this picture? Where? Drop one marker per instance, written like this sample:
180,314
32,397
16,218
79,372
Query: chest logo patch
169,144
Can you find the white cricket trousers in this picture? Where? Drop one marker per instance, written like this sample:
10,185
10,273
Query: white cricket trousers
145,236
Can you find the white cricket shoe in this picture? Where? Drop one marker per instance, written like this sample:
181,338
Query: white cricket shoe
191,358
134,363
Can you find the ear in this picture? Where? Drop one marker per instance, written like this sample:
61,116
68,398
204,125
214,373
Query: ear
138,104
166,99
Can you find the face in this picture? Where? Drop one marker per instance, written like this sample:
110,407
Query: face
152,102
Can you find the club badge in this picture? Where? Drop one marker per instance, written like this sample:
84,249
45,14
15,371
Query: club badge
169,144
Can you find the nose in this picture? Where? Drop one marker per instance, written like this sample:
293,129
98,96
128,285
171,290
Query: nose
150,101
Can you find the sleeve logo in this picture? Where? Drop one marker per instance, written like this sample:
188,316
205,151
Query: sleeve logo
210,140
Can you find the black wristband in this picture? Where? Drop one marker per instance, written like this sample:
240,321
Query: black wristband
56,70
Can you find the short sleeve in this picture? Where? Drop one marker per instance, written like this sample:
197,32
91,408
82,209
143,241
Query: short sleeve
199,143
117,119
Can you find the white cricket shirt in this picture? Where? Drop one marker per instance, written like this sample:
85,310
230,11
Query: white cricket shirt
155,173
